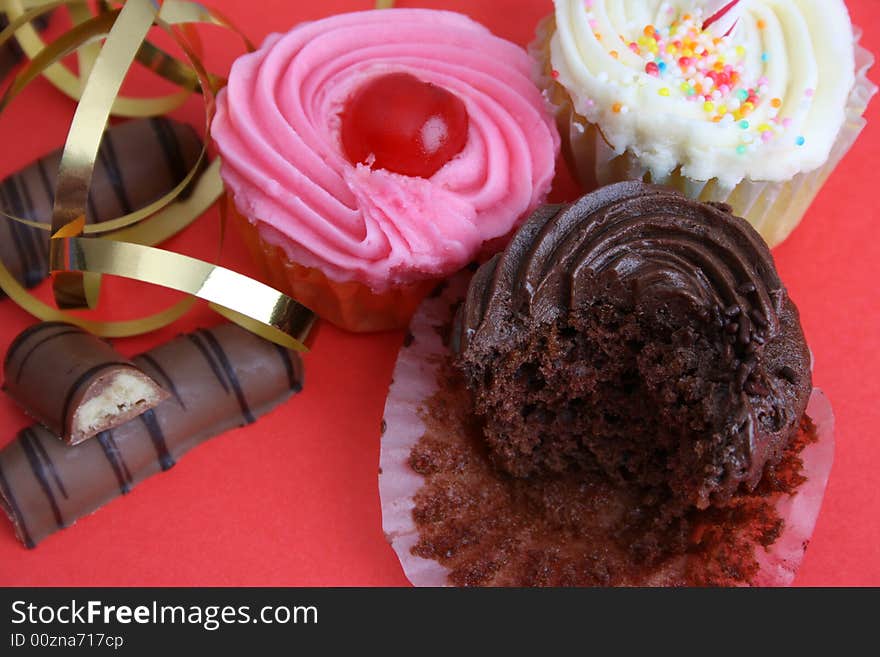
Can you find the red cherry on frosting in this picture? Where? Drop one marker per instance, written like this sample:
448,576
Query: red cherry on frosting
409,126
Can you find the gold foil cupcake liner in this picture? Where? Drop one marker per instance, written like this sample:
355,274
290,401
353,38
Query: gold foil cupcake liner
773,208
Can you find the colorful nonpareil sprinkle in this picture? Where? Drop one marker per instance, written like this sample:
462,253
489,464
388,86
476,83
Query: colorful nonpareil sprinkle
694,64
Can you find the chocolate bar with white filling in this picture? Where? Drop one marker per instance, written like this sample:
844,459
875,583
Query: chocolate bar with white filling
219,379
74,383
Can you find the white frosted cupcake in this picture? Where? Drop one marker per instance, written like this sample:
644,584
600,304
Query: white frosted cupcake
750,103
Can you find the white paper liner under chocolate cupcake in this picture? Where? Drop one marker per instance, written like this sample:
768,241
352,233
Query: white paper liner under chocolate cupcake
453,520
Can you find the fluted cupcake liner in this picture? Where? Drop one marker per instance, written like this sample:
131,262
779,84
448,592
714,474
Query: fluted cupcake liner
418,408
773,208
351,305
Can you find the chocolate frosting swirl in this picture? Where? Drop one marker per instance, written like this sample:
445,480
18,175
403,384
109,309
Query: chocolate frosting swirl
658,243
666,258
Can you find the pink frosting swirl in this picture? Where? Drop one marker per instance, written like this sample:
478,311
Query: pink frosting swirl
278,131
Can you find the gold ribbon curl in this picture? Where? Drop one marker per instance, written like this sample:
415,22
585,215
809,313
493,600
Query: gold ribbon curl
77,262
21,12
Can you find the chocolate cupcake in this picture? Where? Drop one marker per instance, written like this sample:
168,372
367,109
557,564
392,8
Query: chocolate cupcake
641,335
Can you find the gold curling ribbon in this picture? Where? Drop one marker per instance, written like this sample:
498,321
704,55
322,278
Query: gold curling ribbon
18,294
21,12
78,288
61,77
384,4
269,312
173,219
78,262
83,32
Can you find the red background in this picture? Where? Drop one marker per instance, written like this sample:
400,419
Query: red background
293,500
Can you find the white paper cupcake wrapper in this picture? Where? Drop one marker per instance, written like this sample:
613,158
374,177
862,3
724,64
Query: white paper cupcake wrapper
780,563
415,382
773,208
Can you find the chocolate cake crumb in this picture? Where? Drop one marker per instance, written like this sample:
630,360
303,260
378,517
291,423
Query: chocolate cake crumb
575,528
639,334
624,404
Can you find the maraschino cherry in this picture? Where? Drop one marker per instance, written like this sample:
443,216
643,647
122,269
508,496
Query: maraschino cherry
410,127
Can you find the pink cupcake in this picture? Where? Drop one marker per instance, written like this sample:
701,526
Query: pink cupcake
370,154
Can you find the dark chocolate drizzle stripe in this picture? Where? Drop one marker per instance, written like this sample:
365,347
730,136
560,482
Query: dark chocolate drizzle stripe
295,383
196,340
48,187
49,191
28,333
170,145
83,378
110,162
36,238
166,461
15,511
15,233
21,209
114,456
39,344
167,382
50,464
92,214
39,471
229,370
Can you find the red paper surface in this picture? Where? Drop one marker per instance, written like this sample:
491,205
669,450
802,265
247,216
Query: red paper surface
293,500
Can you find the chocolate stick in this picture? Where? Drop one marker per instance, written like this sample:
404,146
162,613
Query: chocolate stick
73,383
138,162
219,379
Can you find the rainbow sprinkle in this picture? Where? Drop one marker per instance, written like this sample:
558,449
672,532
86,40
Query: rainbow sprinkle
695,65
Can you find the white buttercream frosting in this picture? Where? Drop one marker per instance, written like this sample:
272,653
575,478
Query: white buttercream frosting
795,58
